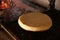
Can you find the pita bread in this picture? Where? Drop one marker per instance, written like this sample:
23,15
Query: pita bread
35,21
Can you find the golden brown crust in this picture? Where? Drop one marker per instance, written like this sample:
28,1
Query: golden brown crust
36,21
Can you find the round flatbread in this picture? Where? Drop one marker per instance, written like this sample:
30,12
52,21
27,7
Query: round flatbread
35,21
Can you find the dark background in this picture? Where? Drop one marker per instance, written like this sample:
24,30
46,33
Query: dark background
52,34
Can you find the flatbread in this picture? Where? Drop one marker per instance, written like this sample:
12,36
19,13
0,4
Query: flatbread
35,21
